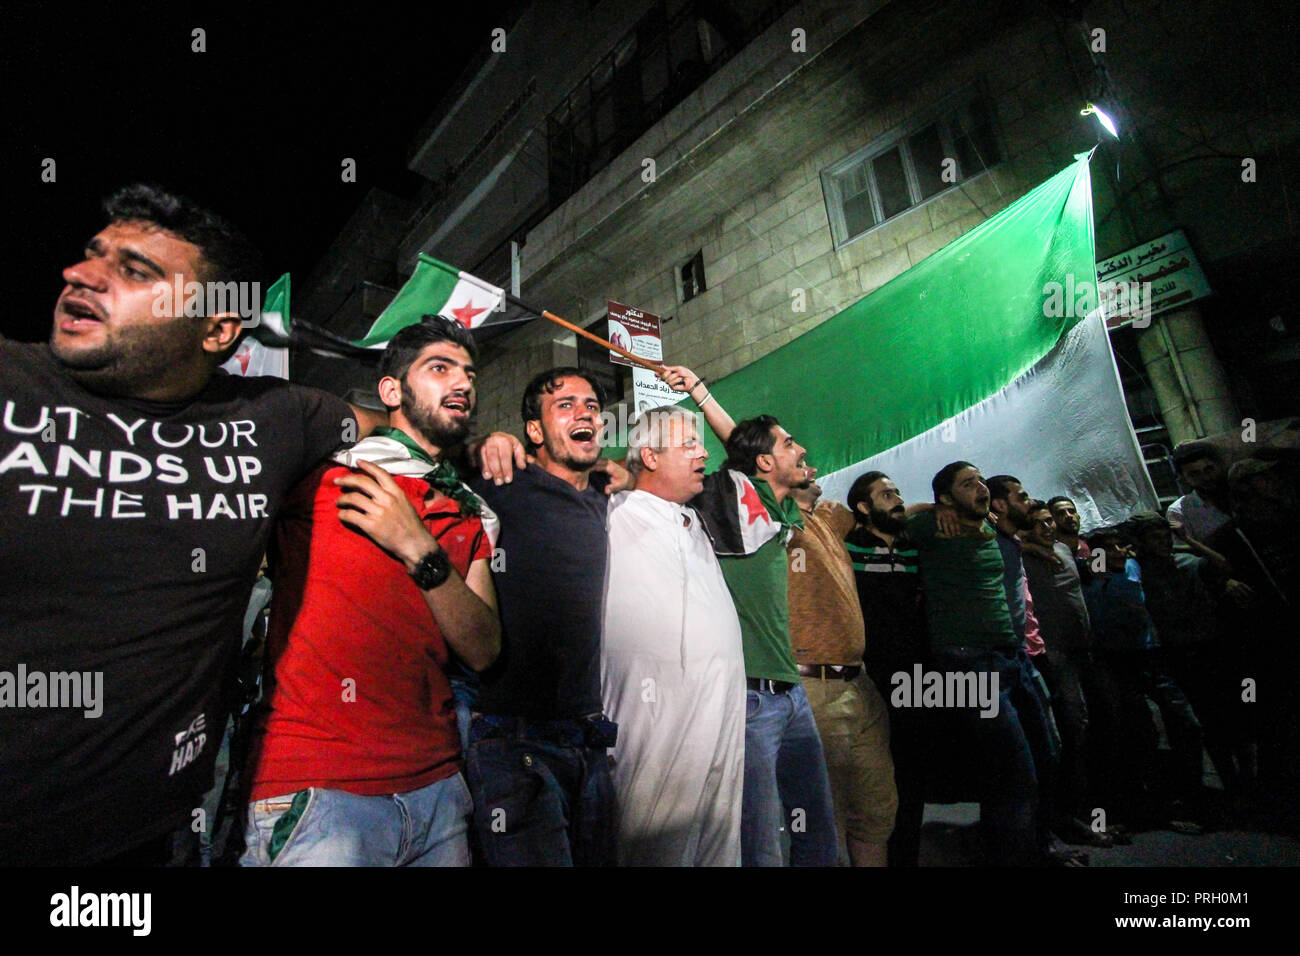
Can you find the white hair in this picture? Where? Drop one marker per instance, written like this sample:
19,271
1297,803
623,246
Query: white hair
651,430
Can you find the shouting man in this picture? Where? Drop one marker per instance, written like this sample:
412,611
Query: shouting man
134,476
381,573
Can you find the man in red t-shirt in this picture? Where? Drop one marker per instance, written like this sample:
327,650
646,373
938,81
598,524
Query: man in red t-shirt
381,573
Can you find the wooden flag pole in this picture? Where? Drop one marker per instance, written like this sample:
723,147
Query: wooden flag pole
634,359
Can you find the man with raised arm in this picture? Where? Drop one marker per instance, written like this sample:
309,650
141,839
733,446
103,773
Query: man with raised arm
750,514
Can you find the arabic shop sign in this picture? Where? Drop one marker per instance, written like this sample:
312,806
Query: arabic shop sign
1165,269
639,332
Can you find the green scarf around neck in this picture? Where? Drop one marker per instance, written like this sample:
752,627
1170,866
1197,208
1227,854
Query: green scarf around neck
443,475
786,513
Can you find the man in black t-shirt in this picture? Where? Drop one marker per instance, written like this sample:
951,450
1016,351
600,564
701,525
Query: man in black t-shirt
538,764
137,490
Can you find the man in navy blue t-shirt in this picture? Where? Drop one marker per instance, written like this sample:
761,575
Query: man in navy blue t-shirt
538,764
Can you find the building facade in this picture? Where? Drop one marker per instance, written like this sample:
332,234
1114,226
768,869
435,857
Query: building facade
748,169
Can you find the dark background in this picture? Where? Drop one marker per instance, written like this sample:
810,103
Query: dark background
256,128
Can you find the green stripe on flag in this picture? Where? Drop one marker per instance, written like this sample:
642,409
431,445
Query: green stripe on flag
425,293
943,336
276,302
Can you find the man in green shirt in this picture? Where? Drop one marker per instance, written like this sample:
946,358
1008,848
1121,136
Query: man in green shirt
972,639
750,515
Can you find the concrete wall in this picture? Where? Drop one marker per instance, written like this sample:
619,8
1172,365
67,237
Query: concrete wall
763,239
739,163
551,47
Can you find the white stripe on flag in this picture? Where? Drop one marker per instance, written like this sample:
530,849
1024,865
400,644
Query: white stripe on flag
472,301
756,525
252,358
275,322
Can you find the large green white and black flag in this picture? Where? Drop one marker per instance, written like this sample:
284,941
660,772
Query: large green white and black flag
991,350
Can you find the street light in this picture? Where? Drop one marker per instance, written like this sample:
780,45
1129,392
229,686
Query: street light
1103,118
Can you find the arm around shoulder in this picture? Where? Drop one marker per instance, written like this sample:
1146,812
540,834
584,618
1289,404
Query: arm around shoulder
367,419
839,517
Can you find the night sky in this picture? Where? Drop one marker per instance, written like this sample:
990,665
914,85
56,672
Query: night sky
255,127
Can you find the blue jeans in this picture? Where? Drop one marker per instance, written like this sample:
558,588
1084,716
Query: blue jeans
785,783
425,827
1014,749
541,802
464,693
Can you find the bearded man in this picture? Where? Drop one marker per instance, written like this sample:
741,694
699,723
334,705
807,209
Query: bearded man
137,489
381,573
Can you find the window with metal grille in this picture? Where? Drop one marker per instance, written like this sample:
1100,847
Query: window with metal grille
690,277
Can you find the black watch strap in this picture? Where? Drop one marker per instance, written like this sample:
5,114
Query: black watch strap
434,568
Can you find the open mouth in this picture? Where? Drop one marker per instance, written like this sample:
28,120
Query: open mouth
456,403
583,434
80,310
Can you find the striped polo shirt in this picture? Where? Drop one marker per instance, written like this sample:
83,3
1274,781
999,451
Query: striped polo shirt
889,590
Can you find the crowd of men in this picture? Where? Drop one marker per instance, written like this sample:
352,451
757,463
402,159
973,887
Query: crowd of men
522,653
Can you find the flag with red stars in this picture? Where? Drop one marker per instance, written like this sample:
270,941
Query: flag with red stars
736,515
263,347
436,288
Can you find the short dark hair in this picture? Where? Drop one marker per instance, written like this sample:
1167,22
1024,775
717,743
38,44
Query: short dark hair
860,490
1057,499
1000,485
941,483
1039,505
405,347
1187,452
1142,522
1098,537
748,440
530,408
228,255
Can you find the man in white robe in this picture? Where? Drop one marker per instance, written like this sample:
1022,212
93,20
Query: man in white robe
672,667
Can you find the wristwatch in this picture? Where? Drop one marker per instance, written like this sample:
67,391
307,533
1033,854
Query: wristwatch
434,568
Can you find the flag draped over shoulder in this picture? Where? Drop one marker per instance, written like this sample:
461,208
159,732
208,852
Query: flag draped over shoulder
396,458
436,288
735,511
967,356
